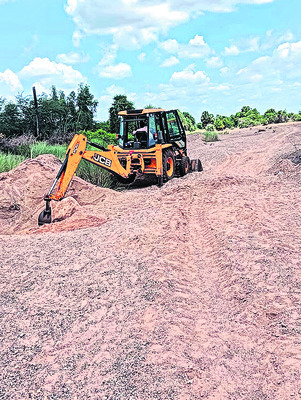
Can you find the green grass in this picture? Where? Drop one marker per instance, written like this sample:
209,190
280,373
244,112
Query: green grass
10,161
95,175
210,136
43,148
87,171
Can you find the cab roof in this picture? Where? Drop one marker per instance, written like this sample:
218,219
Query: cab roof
139,112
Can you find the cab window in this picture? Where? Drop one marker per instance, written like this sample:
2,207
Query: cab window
172,125
152,131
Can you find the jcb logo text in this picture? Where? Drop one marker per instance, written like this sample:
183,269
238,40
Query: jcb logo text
102,160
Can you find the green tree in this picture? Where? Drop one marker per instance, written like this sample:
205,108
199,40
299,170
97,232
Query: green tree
228,122
190,121
187,120
86,107
207,118
10,124
219,123
150,106
120,103
282,116
271,116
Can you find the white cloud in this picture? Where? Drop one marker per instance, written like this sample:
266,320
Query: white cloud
169,62
223,71
274,38
72,58
279,67
51,73
269,32
170,45
220,87
195,48
107,68
288,36
244,45
106,99
286,50
249,75
39,88
188,76
118,71
141,57
197,41
9,78
252,45
76,37
214,62
231,51
133,23
10,85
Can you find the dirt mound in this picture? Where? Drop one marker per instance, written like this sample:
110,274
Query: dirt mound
22,192
285,168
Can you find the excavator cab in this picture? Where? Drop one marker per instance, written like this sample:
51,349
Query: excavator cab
144,129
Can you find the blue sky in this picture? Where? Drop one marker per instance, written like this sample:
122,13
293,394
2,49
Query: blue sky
195,55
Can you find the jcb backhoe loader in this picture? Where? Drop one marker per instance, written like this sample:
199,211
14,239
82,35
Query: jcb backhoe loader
151,141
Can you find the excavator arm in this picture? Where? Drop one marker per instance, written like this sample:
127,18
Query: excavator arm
106,158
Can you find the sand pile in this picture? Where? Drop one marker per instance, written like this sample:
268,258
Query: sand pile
22,192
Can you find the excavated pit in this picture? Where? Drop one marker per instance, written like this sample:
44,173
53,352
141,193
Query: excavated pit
23,190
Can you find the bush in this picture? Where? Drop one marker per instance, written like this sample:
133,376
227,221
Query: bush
210,128
297,117
211,136
219,124
270,115
102,137
19,145
245,123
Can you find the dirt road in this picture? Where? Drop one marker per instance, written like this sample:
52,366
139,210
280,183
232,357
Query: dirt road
190,291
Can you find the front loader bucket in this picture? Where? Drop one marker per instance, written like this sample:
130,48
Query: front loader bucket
195,165
45,215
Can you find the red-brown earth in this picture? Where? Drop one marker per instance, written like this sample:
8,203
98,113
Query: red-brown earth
189,291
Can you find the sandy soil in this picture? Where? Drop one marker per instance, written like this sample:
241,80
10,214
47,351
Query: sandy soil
189,291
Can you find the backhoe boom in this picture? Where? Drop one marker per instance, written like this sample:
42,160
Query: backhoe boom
76,151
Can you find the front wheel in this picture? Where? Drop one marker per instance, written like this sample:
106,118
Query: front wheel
168,165
184,166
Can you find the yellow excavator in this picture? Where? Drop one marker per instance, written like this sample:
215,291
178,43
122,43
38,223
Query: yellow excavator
151,142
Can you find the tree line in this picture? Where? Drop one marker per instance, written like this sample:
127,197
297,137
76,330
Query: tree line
60,116
245,118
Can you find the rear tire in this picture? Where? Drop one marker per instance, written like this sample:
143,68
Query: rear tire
184,166
169,165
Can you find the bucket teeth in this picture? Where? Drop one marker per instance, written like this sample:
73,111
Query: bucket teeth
44,217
